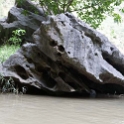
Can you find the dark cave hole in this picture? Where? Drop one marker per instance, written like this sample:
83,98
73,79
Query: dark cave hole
49,81
47,68
111,48
38,54
21,72
96,54
30,60
61,48
53,43
27,66
113,89
39,69
59,54
62,75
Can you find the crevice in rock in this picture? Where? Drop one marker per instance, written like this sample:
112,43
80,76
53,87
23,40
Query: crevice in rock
90,36
29,60
39,55
112,63
30,75
77,80
59,54
84,81
21,72
63,23
49,82
53,43
94,39
39,69
68,81
113,89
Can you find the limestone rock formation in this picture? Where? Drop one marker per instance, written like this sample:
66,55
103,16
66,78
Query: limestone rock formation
22,16
67,56
31,6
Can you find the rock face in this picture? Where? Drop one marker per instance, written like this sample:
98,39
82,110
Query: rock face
67,56
30,6
21,16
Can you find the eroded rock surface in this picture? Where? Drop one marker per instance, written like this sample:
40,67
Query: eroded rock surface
21,16
67,56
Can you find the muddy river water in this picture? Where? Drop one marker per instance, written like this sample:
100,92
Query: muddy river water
32,109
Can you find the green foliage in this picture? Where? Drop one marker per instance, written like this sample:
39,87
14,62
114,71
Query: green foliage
121,10
112,33
25,12
10,46
20,2
16,36
91,11
117,18
7,85
6,51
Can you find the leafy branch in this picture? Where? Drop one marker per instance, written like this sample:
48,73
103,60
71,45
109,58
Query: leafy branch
91,11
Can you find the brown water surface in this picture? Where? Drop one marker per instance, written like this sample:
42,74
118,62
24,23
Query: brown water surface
27,109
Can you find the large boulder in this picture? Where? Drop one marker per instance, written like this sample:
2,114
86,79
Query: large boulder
31,6
26,16
67,56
